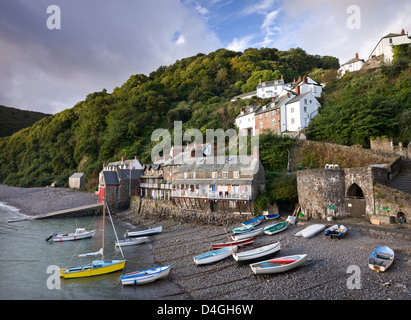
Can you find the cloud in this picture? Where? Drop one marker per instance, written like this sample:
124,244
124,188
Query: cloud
100,45
240,44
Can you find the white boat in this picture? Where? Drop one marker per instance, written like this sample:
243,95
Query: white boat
279,264
248,234
243,228
131,242
215,255
258,252
80,233
240,243
255,221
275,228
310,231
145,276
146,232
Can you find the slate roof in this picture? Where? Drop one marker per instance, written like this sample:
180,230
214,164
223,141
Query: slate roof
110,178
226,163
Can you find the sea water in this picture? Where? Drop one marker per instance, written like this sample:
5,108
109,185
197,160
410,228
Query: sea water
27,261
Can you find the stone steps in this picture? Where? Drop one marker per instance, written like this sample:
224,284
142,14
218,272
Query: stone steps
402,181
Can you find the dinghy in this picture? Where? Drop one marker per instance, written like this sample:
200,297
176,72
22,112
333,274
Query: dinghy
310,231
248,234
381,259
336,231
278,265
214,256
239,243
130,242
272,216
275,228
80,233
242,229
145,276
147,232
258,252
256,221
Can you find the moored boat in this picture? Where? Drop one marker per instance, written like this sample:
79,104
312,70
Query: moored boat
243,228
255,221
279,264
258,252
248,234
275,228
146,232
145,276
80,233
214,256
239,243
381,258
130,242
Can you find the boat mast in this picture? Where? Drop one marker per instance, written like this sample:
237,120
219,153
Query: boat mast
104,221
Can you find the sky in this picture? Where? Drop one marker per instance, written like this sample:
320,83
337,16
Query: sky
51,58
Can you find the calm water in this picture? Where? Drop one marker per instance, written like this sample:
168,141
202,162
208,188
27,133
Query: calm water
25,257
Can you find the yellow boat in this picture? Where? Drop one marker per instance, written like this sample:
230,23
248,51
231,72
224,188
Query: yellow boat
96,267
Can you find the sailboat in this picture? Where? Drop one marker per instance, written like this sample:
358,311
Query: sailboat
96,267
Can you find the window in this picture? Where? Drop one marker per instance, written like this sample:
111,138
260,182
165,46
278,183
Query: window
225,174
292,110
260,116
236,174
273,122
266,114
273,113
214,175
305,101
305,109
292,120
185,175
261,124
193,175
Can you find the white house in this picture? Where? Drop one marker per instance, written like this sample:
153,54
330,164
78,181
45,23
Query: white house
307,84
245,121
354,64
271,89
384,46
297,112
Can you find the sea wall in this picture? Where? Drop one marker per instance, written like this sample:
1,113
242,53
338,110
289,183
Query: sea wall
165,210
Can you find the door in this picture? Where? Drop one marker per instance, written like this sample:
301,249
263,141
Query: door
355,207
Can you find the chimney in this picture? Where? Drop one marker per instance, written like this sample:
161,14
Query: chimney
356,56
260,82
282,77
297,89
299,78
104,165
402,31
305,79
123,159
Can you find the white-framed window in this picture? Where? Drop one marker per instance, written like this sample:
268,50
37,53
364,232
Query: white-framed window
292,120
273,113
261,124
214,175
185,175
224,174
292,110
193,175
236,174
273,122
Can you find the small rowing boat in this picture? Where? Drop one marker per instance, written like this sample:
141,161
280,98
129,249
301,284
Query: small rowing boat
130,242
272,216
248,234
239,243
258,252
80,233
381,259
275,228
278,265
242,229
214,256
255,221
145,276
146,232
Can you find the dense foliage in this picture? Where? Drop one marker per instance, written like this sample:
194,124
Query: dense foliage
106,126
13,120
368,104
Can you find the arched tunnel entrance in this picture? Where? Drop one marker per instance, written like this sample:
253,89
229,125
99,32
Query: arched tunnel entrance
355,202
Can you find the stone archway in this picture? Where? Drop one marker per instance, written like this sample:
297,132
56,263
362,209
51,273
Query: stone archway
355,202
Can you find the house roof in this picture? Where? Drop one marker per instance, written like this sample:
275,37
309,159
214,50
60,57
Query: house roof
249,110
125,174
270,83
352,61
247,94
77,175
277,103
298,98
111,178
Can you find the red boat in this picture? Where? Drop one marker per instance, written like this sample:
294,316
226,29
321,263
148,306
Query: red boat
239,243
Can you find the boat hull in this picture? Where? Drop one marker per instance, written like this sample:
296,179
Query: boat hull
145,276
130,242
255,221
275,228
142,233
73,236
247,234
283,264
243,228
258,253
240,243
214,256
108,266
310,231
271,216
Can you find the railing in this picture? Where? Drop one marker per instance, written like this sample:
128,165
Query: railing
210,195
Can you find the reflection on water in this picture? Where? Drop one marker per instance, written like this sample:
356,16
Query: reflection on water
25,257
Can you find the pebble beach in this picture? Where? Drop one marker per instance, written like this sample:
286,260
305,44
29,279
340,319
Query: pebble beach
326,275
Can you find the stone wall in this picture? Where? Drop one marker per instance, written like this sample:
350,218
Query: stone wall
387,145
164,210
389,203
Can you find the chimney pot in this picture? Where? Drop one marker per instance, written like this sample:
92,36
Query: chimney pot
356,56
402,31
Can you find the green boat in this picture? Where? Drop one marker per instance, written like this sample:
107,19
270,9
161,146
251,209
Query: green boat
275,228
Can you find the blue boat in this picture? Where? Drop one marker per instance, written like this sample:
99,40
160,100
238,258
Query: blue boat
215,255
381,259
256,221
271,216
145,276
